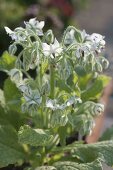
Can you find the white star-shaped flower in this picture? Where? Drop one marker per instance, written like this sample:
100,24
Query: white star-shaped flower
11,33
97,42
35,25
52,50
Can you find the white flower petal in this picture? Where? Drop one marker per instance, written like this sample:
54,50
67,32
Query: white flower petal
56,43
49,104
52,49
45,46
8,30
32,21
41,24
46,49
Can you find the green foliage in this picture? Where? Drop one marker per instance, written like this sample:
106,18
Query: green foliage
46,168
34,137
100,150
39,113
75,166
9,117
11,151
94,91
12,95
7,62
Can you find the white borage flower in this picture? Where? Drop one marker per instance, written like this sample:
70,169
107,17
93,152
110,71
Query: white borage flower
32,96
18,34
83,50
52,50
11,33
35,25
73,100
97,41
52,104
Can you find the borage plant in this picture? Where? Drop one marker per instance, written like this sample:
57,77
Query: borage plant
50,95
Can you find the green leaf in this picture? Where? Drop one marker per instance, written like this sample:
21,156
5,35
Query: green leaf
63,86
34,137
10,151
58,119
42,168
7,62
95,90
12,95
96,165
84,81
90,152
62,131
107,135
80,71
90,108
67,148
46,168
14,118
82,123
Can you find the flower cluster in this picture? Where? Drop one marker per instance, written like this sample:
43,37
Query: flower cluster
53,104
86,43
20,34
55,91
37,45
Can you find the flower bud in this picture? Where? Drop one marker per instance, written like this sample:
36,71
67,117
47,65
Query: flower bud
98,67
49,37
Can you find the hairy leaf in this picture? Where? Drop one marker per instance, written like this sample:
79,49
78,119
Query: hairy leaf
10,151
90,152
96,165
34,137
62,85
95,90
46,168
58,119
12,95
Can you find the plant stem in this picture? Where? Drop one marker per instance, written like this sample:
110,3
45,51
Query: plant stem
40,80
40,74
52,81
26,73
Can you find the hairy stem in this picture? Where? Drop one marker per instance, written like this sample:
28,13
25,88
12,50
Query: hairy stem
52,81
